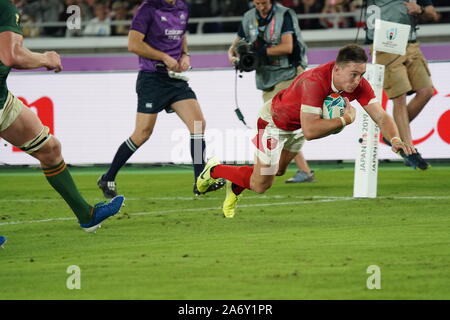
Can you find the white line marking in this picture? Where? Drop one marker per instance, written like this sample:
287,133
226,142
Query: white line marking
36,221
221,198
184,210
315,199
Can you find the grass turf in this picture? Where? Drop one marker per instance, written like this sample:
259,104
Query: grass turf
303,241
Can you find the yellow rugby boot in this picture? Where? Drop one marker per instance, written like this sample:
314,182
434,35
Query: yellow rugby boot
204,180
230,202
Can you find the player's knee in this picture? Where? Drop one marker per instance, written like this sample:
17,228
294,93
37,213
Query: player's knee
54,147
49,152
262,187
42,146
280,172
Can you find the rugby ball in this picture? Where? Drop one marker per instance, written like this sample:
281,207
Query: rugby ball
333,107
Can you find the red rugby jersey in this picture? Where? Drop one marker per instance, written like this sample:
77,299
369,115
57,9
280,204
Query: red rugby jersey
311,88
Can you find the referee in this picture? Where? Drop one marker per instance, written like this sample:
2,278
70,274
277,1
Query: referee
158,37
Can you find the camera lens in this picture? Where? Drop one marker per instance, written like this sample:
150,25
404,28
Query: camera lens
248,61
247,58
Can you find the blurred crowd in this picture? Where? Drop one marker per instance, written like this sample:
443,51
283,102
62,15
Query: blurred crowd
98,16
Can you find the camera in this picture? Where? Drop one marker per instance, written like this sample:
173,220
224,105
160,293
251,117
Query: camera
248,59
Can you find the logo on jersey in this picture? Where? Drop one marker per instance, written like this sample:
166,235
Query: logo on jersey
17,18
173,34
163,18
272,143
183,18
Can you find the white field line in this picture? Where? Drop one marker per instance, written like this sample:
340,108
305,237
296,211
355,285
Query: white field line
246,197
36,221
186,210
171,198
320,199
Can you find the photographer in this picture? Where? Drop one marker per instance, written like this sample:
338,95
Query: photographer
269,41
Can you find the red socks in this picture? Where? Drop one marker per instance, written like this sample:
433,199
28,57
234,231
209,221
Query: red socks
240,176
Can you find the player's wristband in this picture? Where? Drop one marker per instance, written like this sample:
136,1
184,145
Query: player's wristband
186,53
350,119
343,122
396,138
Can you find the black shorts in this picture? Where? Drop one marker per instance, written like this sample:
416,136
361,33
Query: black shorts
157,92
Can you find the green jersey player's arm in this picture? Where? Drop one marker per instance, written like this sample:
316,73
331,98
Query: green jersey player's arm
13,54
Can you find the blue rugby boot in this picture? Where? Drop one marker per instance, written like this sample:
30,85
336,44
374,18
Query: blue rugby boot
103,211
2,241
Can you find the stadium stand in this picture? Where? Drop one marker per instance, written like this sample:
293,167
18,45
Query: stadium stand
212,26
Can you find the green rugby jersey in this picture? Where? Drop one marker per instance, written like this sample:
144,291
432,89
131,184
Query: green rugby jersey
9,21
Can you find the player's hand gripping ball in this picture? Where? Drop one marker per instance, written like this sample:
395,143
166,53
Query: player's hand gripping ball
333,107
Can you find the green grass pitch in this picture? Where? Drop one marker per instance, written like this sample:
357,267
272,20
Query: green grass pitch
304,241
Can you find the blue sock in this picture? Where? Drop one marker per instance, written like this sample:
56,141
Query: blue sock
198,153
124,153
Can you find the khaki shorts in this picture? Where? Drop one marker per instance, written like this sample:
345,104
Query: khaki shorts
10,111
270,140
267,95
405,73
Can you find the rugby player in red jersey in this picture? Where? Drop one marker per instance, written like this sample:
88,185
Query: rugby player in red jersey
295,114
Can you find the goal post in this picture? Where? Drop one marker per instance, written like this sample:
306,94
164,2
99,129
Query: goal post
366,162
388,37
